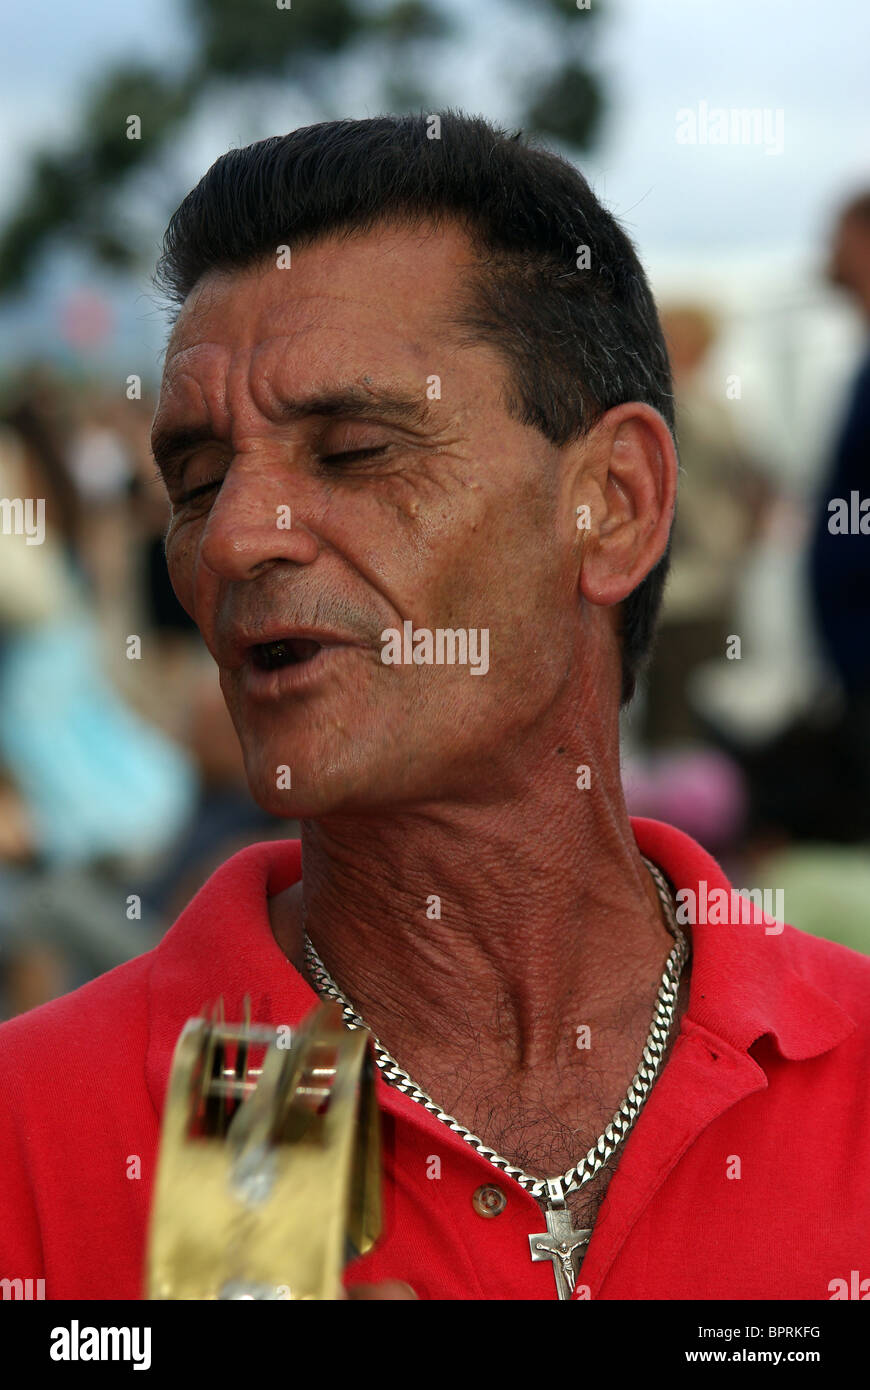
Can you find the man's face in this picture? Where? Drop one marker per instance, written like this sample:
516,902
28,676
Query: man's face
339,465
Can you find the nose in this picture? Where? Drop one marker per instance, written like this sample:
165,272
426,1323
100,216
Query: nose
258,517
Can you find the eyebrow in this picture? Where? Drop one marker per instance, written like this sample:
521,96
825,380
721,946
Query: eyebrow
168,446
397,407
388,404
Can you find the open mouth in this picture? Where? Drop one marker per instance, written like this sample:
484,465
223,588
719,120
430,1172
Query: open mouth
288,651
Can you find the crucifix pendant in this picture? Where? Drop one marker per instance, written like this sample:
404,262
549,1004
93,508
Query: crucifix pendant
560,1241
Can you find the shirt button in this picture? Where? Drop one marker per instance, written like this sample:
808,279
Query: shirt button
489,1200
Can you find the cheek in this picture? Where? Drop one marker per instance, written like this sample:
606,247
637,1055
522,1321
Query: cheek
496,566
181,563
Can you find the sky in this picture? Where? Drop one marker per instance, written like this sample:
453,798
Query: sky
747,221
806,59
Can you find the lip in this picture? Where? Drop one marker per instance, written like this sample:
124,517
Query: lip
238,647
259,684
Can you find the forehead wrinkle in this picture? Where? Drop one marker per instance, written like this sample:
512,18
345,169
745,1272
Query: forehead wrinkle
188,414
203,381
346,402
238,381
273,314
361,377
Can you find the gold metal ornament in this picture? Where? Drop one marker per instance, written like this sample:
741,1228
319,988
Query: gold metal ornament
269,1173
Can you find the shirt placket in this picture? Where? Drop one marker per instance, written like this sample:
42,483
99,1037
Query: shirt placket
494,1216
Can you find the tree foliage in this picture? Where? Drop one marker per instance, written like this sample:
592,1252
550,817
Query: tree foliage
75,191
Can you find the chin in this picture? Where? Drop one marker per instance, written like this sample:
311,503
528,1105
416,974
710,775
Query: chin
311,793
290,803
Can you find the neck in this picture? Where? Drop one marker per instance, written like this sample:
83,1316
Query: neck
485,935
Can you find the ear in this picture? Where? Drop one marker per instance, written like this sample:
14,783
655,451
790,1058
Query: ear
628,480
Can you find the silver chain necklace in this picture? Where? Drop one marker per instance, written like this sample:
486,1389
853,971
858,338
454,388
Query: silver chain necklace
561,1243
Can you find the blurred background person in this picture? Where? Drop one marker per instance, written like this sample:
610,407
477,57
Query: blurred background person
840,558
102,793
679,769
812,782
721,507
809,830
119,793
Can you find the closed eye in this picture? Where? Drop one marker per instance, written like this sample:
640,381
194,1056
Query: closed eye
351,455
345,456
198,491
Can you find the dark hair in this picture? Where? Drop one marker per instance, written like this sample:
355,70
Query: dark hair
858,208
578,341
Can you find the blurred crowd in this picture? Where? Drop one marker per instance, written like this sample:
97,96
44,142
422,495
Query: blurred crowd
775,783
121,780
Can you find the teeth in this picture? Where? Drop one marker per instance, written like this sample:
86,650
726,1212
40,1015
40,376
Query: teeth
286,651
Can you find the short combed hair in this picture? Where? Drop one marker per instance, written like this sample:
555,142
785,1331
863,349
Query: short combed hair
579,333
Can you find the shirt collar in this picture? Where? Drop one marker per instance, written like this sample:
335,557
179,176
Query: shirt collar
747,982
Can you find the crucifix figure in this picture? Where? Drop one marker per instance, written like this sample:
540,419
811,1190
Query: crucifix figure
559,1243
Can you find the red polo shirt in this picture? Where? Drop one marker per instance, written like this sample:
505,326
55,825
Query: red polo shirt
746,1175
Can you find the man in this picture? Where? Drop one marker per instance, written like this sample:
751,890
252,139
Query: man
840,550
840,558
439,361
721,508
811,783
